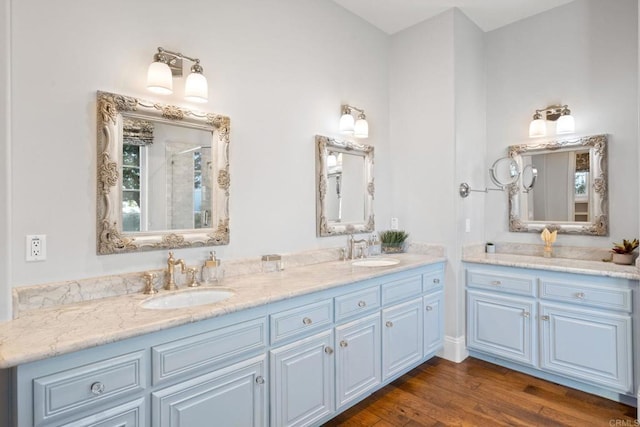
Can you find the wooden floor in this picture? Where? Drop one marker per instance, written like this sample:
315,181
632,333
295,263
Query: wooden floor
477,393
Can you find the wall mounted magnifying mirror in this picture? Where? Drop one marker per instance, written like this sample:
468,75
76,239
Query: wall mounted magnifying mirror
344,187
163,176
570,193
504,172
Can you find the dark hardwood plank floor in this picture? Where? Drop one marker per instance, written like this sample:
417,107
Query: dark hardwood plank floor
477,393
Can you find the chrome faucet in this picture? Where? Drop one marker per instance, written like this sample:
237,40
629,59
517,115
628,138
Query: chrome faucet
354,244
171,264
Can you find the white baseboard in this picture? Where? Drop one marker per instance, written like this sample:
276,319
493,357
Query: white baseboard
454,349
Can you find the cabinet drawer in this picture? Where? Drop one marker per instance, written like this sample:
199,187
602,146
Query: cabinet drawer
514,284
204,351
301,320
401,289
130,414
357,302
432,280
79,388
584,294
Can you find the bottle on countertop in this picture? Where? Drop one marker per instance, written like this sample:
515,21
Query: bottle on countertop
211,270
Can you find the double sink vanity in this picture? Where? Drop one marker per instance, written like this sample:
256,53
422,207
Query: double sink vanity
293,347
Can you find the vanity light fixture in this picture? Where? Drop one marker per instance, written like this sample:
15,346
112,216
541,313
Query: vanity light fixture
349,126
166,65
560,114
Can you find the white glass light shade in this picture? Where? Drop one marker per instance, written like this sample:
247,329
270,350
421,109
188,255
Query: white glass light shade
346,124
537,128
361,129
566,124
196,88
159,78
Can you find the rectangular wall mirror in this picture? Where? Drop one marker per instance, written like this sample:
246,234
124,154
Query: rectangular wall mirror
344,187
570,191
163,176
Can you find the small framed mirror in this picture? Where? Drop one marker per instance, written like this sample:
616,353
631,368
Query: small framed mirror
564,187
163,176
344,187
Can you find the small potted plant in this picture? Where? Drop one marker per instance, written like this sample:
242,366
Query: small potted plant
622,253
393,241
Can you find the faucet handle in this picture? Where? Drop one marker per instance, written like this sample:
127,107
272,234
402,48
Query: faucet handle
191,277
149,289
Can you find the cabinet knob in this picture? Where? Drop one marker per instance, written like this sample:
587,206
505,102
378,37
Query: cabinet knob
307,321
429,308
362,303
259,380
436,281
496,282
389,324
580,295
545,317
526,314
328,350
97,388
344,344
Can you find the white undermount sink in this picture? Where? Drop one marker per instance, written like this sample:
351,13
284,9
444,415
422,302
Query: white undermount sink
375,262
187,298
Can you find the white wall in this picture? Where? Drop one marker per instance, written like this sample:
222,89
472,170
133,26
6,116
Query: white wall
279,68
437,91
583,54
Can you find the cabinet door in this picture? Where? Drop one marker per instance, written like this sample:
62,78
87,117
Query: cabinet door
233,396
588,345
433,323
358,353
401,337
302,390
501,326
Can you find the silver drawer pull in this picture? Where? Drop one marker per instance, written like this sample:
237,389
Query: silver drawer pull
307,321
328,350
97,388
389,324
526,314
362,303
496,282
344,344
545,317
429,308
436,281
580,295
259,380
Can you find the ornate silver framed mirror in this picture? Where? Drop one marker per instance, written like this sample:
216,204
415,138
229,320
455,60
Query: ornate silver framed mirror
162,176
344,187
570,192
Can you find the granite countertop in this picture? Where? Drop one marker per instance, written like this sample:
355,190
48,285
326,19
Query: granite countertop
49,332
566,265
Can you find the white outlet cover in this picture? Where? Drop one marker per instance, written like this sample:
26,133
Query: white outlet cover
36,247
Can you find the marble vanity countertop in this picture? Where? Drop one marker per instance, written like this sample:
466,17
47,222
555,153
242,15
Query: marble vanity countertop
594,268
49,332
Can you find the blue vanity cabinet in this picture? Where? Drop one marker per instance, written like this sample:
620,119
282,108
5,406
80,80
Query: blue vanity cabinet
232,396
296,362
573,329
358,356
302,385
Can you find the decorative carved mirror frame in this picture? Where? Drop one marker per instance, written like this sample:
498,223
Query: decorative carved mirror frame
110,237
331,228
599,203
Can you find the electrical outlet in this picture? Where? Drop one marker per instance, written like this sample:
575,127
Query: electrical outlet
467,225
36,247
394,224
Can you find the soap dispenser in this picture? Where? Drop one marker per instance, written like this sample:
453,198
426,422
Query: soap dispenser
211,270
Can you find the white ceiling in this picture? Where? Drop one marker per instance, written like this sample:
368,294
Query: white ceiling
392,16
